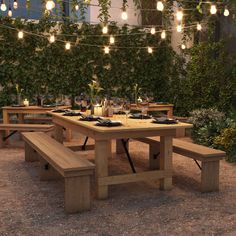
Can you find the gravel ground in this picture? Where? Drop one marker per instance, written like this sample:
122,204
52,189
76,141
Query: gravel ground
31,207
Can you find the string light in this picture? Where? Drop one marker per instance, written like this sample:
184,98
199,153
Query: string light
183,46
160,6
106,50
77,7
3,6
179,15
163,34
112,40
150,50
124,15
50,5
213,9
52,38
67,46
20,35
179,28
199,27
9,12
226,12
153,30
105,29
15,4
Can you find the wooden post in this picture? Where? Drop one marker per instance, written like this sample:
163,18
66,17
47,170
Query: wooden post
210,176
102,152
166,160
154,156
47,172
58,133
77,194
30,154
119,146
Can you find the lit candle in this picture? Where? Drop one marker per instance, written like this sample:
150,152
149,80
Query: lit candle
26,103
98,110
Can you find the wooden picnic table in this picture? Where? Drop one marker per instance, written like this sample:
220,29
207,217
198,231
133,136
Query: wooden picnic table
21,111
155,107
133,129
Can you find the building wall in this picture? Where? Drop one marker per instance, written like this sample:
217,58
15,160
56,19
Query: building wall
134,17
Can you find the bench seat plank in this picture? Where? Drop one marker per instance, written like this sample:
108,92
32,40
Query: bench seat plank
188,149
62,158
26,127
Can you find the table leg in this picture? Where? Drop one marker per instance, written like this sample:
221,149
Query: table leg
6,120
102,152
166,160
21,118
58,133
68,135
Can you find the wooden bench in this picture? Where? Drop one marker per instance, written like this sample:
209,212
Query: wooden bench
21,128
209,158
55,161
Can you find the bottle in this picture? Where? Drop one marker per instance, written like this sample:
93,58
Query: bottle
109,109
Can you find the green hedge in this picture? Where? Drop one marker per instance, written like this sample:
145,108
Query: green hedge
203,77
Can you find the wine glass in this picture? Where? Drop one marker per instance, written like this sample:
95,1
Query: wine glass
126,109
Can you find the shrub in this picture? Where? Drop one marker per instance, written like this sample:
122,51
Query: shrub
207,124
227,141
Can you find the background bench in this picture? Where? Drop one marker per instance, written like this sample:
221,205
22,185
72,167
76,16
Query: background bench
21,128
56,159
209,158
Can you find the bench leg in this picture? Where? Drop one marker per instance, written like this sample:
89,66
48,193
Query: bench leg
119,146
1,138
166,160
58,133
77,194
154,156
47,172
210,176
30,154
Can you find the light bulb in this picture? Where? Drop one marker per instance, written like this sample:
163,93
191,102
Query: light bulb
213,9
67,46
179,28
226,12
163,34
9,12
15,4
50,5
77,7
20,35
183,46
153,30
124,15
3,6
160,6
150,50
112,40
106,50
52,39
199,27
179,15
105,29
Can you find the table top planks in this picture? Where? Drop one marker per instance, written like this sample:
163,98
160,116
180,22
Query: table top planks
133,125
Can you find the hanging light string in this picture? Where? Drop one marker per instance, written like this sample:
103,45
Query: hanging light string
75,43
145,32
